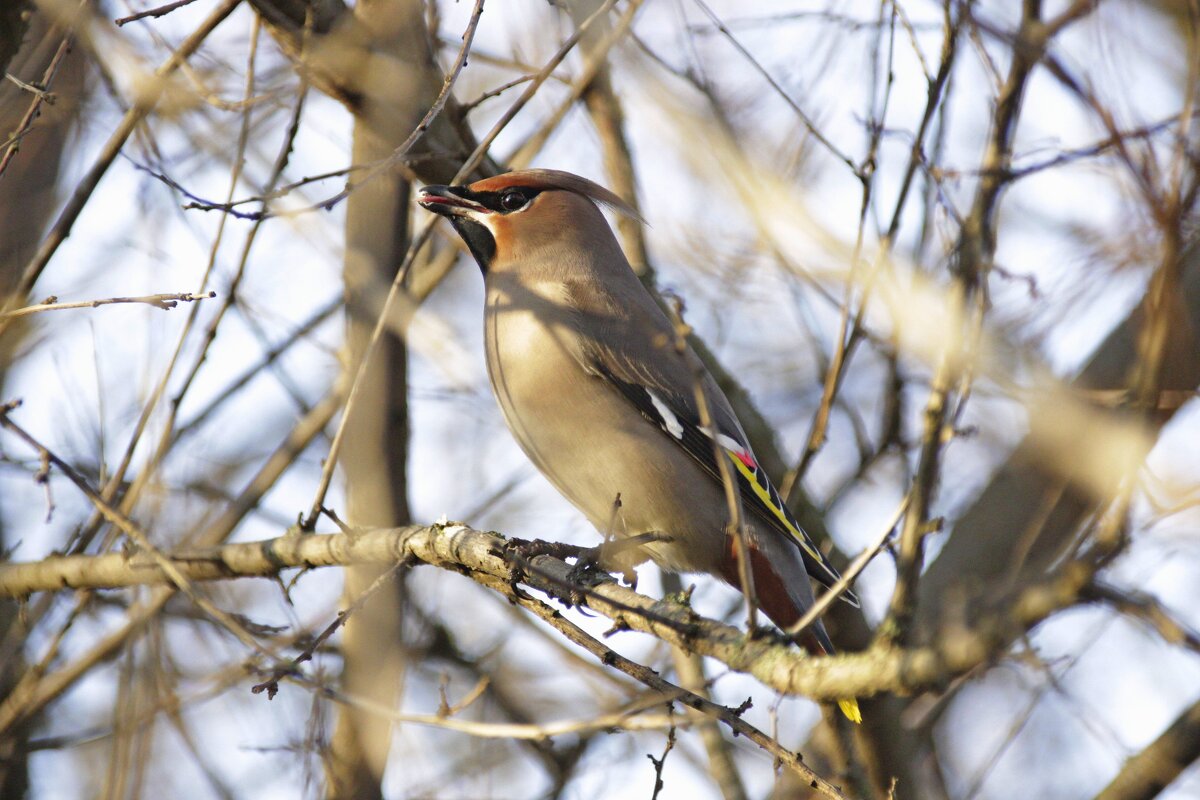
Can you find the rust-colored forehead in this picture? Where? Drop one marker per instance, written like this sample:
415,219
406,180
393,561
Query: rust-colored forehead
526,179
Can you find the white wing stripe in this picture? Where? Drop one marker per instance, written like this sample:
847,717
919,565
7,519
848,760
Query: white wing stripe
669,421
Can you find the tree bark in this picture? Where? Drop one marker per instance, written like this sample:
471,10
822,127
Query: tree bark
28,197
392,99
1151,771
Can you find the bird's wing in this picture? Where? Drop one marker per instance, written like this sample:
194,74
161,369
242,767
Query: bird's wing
660,398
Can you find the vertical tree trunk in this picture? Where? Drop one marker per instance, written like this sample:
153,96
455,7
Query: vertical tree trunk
376,445
28,43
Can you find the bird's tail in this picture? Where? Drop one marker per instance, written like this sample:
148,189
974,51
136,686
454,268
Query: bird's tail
784,594
816,641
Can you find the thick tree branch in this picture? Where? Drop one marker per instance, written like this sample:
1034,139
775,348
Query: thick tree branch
1148,773
486,557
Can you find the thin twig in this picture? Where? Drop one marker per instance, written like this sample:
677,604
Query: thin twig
830,596
268,360
41,96
499,90
161,11
536,732
727,716
661,761
135,533
291,669
164,301
787,98
83,190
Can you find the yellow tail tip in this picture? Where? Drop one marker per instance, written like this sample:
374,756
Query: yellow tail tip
851,710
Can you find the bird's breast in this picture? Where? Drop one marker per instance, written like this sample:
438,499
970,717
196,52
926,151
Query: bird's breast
532,353
540,385
586,438
527,334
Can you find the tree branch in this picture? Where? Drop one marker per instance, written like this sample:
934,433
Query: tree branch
488,557
83,191
163,301
1148,773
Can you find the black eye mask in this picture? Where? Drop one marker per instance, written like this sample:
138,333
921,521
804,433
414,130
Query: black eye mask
506,201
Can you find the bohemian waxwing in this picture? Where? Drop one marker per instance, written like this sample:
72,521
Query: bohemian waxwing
585,368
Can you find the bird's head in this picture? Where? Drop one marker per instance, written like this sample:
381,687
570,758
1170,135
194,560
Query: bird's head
517,216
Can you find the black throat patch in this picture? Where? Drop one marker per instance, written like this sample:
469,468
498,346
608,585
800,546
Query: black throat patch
479,240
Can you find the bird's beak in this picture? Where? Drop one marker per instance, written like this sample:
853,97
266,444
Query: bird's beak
449,201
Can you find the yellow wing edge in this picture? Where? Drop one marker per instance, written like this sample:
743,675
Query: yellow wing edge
766,499
848,706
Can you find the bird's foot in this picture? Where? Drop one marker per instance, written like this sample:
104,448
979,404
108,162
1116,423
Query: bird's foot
767,633
589,566
525,550
521,553
612,552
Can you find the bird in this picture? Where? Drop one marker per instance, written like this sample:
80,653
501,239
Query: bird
594,385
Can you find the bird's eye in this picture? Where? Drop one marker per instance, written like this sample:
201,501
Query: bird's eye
512,200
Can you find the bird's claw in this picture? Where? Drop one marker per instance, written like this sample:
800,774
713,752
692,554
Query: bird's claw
587,566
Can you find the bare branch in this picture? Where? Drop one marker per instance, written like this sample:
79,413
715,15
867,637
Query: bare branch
83,191
484,557
153,13
164,301
1148,773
